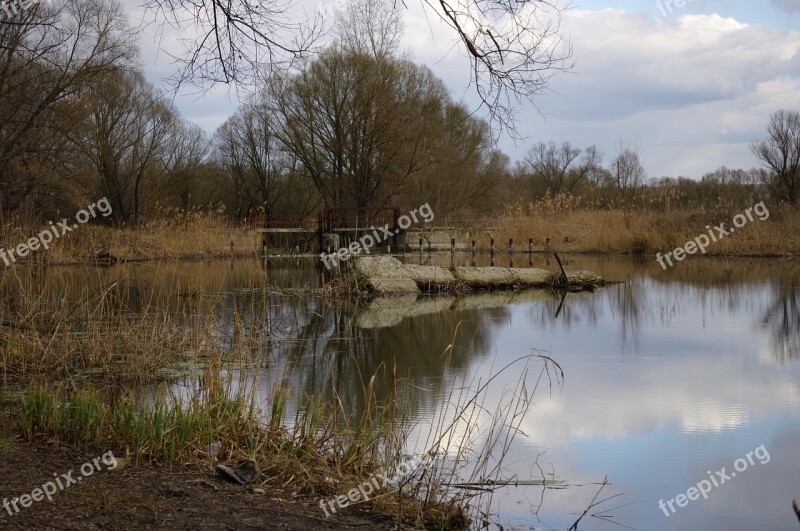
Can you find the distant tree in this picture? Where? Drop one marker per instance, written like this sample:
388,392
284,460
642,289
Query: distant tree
562,168
186,153
780,153
465,171
627,169
255,162
370,27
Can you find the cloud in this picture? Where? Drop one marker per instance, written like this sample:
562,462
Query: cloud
789,6
694,92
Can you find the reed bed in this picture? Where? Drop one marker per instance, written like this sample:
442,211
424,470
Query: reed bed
80,363
570,226
168,234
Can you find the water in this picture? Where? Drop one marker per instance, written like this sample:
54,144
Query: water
668,376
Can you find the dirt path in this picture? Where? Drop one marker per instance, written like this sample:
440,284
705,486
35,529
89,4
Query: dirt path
146,497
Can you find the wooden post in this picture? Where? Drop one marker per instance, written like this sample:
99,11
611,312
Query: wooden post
491,247
452,252
530,252
420,246
473,248
511,246
396,216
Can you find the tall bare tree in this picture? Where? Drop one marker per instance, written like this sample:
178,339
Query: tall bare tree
370,27
780,153
358,125
627,169
254,159
49,53
125,138
185,153
562,168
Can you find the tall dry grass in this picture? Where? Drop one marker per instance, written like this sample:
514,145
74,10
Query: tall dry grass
168,234
79,365
570,226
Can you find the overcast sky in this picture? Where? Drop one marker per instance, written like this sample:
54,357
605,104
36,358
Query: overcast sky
691,85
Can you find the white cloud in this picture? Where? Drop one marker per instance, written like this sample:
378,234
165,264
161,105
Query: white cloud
694,91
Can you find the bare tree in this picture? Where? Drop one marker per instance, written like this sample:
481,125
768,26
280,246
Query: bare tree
253,158
48,54
358,125
125,139
186,150
514,48
627,169
466,172
562,168
370,27
780,153
236,41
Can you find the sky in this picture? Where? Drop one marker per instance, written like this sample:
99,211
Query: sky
691,83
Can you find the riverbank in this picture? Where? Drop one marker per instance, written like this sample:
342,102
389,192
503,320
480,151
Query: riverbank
551,229
146,497
649,232
172,390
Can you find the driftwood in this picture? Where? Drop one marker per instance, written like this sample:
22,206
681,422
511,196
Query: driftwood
560,279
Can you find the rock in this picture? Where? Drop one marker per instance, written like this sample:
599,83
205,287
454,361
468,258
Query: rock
388,286
585,278
243,474
533,278
117,463
432,278
384,275
486,277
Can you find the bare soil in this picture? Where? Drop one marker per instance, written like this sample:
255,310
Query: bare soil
148,497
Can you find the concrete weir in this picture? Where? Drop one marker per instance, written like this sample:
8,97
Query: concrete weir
385,275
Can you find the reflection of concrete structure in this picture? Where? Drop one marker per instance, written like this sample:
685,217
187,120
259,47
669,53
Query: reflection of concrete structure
385,312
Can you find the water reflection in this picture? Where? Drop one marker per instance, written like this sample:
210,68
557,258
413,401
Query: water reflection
668,374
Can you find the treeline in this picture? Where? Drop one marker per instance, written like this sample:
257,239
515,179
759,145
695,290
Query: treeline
358,125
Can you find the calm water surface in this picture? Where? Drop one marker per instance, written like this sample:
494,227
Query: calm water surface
667,376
